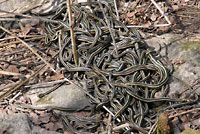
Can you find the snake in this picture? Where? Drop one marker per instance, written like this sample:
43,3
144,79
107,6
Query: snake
119,68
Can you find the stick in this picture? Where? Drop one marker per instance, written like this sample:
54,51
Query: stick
116,10
30,48
16,42
22,82
135,126
7,86
45,84
185,112
10,73
153,127
50,91
145,26
109,125
149,26
162,12
30,17
72,33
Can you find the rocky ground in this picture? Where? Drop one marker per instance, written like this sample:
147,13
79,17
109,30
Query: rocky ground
179,44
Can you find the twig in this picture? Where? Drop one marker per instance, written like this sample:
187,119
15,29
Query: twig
162,12
72,33
96,100
2,1
7,86
185,112
30,48
153,127
22,82
8,19
16,42
144,26
134,126
149,26
109,124
46,84
12,100
59,40
116,10
136,3
9,73
51,90
30,17
25,37
191,17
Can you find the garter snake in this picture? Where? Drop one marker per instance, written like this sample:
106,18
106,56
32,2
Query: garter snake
119,70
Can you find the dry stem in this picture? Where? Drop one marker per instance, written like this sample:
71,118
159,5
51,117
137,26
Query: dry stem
125,125
16,42
22,82
9,73
30,48
185,112
72,33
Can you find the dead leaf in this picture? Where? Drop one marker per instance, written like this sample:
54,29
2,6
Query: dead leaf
172,19
163,30
49,126
153,17
130,14
175,121
175,7
12,68
184,118
25,30
134,21
59,75
165,9
51,52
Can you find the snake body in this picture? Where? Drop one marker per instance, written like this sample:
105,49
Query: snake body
119,69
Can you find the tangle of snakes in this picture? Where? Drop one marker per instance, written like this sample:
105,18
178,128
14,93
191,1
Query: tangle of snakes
116,64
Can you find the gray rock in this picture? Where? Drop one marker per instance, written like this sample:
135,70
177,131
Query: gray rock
35,6
66,96
186,56
20,124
